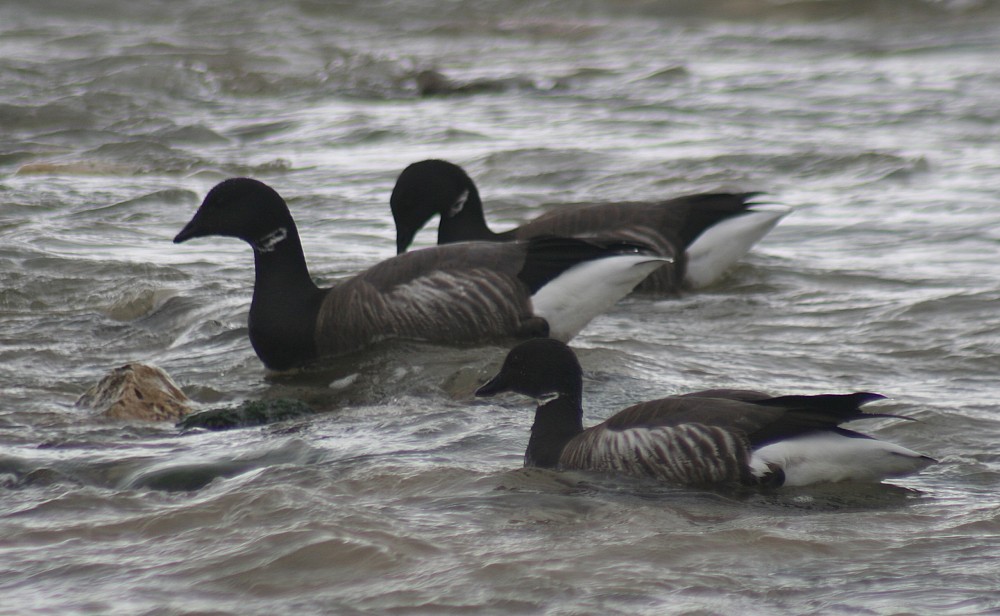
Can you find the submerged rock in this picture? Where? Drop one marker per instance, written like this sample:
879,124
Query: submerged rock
249,413
434,83
137,391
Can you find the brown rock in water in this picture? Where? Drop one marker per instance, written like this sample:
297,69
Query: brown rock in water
137,391
434,83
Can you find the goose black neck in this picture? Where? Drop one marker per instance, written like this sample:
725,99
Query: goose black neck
556,423
469,224
285,302
281,263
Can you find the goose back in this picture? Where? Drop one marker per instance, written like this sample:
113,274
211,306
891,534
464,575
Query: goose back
457,293
644,223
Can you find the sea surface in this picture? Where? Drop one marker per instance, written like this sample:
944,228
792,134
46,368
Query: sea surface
877,121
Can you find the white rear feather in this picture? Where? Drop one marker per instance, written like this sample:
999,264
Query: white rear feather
724,243
579,294
830,457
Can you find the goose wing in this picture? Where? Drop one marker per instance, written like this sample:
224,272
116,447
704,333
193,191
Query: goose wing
646,223
763,419
466,293
677,222
456,293
668,226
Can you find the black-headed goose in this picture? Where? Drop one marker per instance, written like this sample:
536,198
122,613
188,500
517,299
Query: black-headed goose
707,437
460,294
705,233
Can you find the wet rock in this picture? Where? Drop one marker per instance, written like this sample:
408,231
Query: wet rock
187,477
249,413
434,83
670,73
137,391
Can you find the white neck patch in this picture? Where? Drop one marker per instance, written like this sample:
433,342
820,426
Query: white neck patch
459,203
546,398
271,240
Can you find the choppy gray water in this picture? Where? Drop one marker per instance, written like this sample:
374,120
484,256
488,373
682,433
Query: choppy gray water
879,121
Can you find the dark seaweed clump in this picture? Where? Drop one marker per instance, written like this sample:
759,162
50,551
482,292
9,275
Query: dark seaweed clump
249,413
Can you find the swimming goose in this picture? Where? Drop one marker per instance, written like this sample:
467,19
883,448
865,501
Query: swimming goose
706,437
460,294
704,233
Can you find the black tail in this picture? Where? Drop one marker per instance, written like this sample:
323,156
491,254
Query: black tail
549,256
815,413
705,210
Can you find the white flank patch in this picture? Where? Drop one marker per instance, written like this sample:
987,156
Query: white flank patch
830,457
723,244
584,291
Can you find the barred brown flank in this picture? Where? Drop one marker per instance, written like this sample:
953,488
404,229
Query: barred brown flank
689,453
349,318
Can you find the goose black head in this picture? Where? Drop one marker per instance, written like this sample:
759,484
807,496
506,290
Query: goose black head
242,208
539,368
427,188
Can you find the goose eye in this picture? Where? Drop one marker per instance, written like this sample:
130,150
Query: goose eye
459,203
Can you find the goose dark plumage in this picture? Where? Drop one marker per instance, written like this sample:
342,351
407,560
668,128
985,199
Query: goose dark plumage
457,294
703,233
709,437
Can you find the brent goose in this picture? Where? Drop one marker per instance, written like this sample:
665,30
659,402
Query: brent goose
705,233
461,293
707,437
